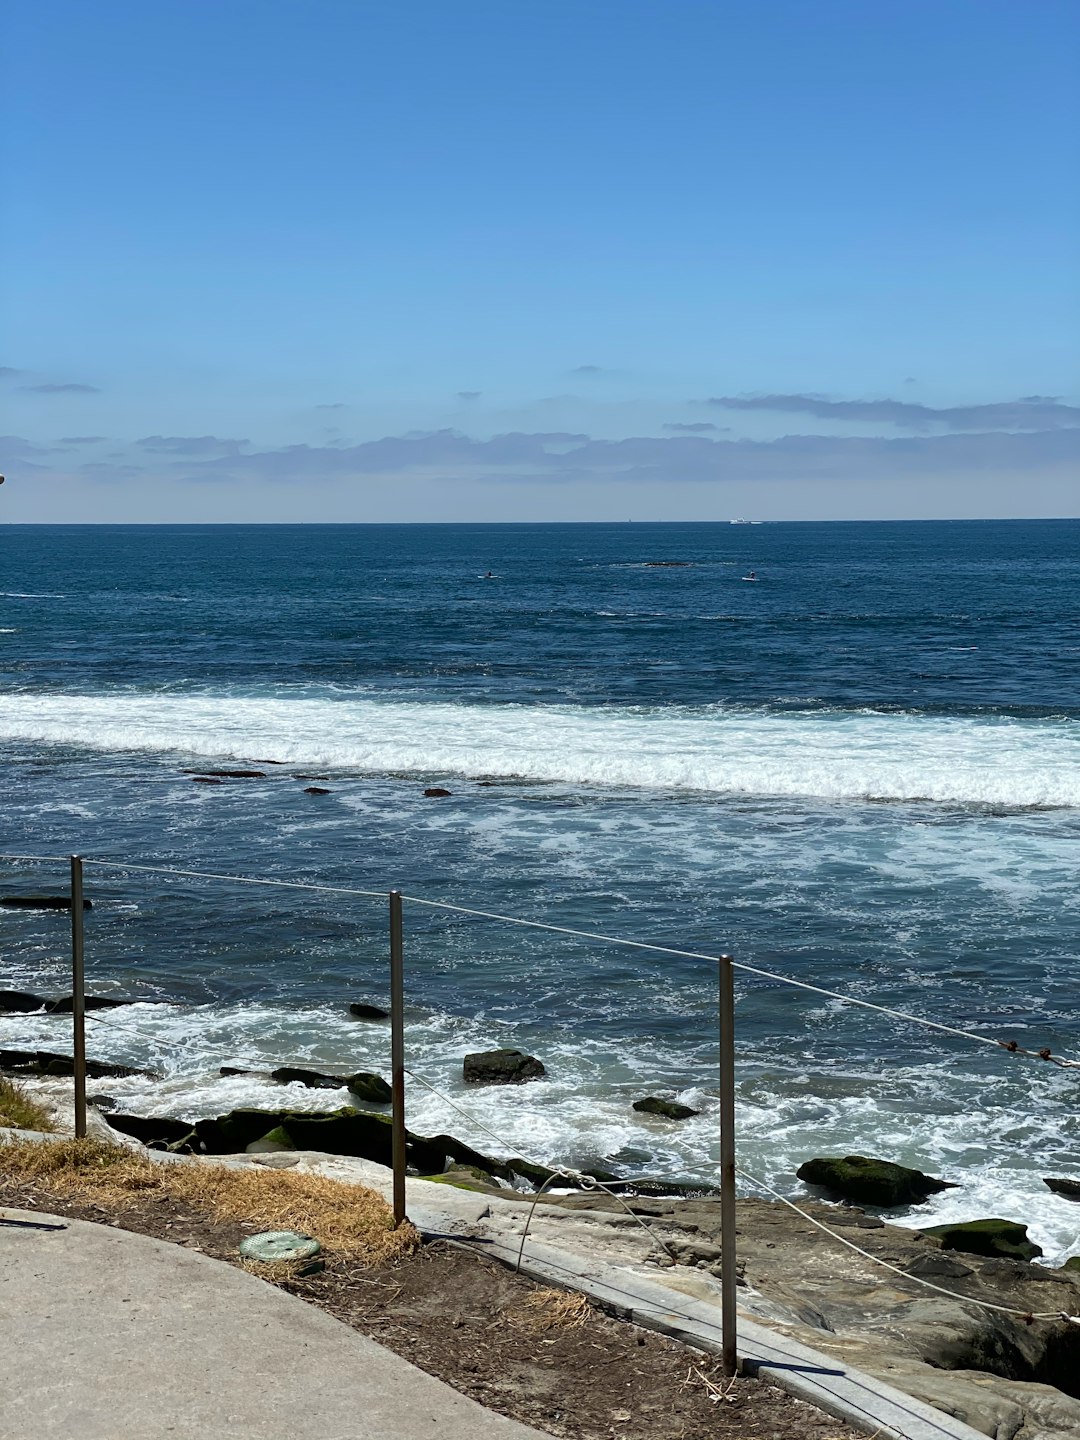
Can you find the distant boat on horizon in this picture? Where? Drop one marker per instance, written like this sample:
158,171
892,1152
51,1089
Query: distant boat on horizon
741,521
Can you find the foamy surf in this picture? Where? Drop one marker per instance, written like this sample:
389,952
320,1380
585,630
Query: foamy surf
831,755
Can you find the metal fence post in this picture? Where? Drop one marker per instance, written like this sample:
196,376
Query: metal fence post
397,1051
727,1164
78,996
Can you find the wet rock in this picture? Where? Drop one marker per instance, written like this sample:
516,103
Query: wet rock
103,1102
364,1085
39,902
501,1067
1073,1263
436,792
206,780
669,1109
156,1131
372,1089
315,790
871,1182
43,1062
1069,1188
314,1079
231,1070
20,1002
90,1002
359,1011
1006,1238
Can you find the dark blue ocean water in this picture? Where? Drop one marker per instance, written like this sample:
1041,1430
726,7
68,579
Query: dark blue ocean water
860,769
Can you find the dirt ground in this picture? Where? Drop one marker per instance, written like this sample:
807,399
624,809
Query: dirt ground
541,1356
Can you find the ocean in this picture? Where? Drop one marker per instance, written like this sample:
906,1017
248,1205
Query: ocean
861,769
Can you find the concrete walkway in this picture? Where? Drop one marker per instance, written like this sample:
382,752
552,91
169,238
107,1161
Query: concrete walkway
108,1335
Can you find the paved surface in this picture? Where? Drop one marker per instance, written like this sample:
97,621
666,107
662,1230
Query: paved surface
109,1335
494,1228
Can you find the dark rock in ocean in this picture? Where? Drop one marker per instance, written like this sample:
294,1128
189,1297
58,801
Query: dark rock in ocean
206,780
359,1011
156,1131
20,1002
228,774
501,1067
90,1002
311,777
1005,1238
103,1102
372,1089
43,1062
669,1109
230,1070
365,1086
1069,1188
871,1182
436,792
315,1079
315,790
39,902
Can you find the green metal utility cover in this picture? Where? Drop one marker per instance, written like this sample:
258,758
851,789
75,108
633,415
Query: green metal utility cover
279,1245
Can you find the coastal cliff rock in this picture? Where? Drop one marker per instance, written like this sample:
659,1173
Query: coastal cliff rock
866,1181
1069,1188
501,1067
1006,1377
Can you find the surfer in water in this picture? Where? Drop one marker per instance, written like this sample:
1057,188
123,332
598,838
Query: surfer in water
752,575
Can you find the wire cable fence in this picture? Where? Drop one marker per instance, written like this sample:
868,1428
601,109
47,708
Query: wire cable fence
725,966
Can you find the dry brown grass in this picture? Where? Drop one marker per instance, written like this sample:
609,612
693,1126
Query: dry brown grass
347,1220
551,1309
19,1111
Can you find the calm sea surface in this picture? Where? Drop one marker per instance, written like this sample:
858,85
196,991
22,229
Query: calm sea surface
862,770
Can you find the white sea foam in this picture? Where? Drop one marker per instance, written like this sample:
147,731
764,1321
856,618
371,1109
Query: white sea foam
824,754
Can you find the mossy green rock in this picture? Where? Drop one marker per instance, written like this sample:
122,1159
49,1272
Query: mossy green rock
1007,1238
372,1089
1073,1263
464,1177
275,1140
866,1181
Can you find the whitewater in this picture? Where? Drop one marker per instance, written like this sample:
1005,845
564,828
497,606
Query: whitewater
719,750
862,772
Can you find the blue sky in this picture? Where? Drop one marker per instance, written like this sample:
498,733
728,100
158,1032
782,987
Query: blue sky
338,260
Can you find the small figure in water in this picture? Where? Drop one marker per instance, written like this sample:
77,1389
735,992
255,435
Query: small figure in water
752,575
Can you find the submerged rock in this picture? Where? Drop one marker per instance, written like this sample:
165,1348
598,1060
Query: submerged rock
1007,1238
90,1002
436,792
871,1182
227,774
315,790
39,902
501,1067
669,1109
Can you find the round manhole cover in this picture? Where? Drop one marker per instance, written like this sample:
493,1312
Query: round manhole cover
279,1245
